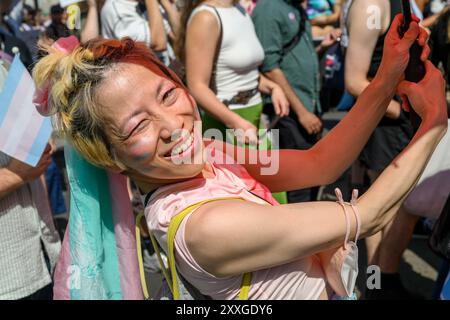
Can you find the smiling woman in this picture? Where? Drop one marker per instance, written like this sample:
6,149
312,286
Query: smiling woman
102,75
124,111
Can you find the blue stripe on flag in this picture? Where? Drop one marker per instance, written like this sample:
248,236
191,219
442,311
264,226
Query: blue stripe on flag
12,81
40,142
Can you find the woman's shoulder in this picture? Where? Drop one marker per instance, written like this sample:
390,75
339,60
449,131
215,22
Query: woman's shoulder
204,15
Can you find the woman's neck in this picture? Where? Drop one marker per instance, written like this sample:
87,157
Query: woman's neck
149,186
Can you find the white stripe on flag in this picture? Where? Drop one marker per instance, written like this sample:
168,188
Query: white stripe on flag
24,133
11,113
20,120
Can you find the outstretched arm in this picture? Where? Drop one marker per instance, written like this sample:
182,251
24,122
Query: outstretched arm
259,236
325,162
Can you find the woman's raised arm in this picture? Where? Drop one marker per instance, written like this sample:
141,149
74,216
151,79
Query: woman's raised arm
331,156
233,237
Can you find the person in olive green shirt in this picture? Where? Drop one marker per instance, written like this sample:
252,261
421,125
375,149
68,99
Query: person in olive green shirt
296,70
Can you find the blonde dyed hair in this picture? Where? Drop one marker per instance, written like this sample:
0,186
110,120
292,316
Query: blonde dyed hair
74,80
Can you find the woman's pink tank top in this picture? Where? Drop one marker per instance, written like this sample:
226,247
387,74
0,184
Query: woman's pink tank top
301,279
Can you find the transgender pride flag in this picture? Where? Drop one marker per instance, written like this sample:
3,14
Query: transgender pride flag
24,133
98,260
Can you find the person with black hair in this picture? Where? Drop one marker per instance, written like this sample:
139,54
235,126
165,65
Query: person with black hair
124,18
58,28
9,43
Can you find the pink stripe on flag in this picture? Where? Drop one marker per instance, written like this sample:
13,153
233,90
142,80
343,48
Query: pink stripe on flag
25,142
124,228
21,129
61,290
32,131
19,99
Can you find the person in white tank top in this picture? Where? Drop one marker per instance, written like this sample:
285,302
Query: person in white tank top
225,26
222,54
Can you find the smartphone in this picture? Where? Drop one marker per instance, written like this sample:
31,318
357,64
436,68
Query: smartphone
415,71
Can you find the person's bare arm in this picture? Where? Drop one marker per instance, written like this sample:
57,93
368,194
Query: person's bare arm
174,17
156,25
330,20
337,10
202,37
362,42
330,39
279,100
260,237
308,120
431,20
327,159
91,27
16,174
265,85
332,155
9,182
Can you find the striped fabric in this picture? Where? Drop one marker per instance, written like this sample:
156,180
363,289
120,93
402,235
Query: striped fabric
98,259
24,133
25,223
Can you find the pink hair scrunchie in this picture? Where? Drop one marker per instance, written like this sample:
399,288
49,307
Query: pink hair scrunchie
40,98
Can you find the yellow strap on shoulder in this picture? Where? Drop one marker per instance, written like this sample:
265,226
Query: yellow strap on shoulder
173,228
139,254
140,261
245,286
161,263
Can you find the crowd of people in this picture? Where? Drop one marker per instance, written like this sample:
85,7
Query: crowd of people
132,72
